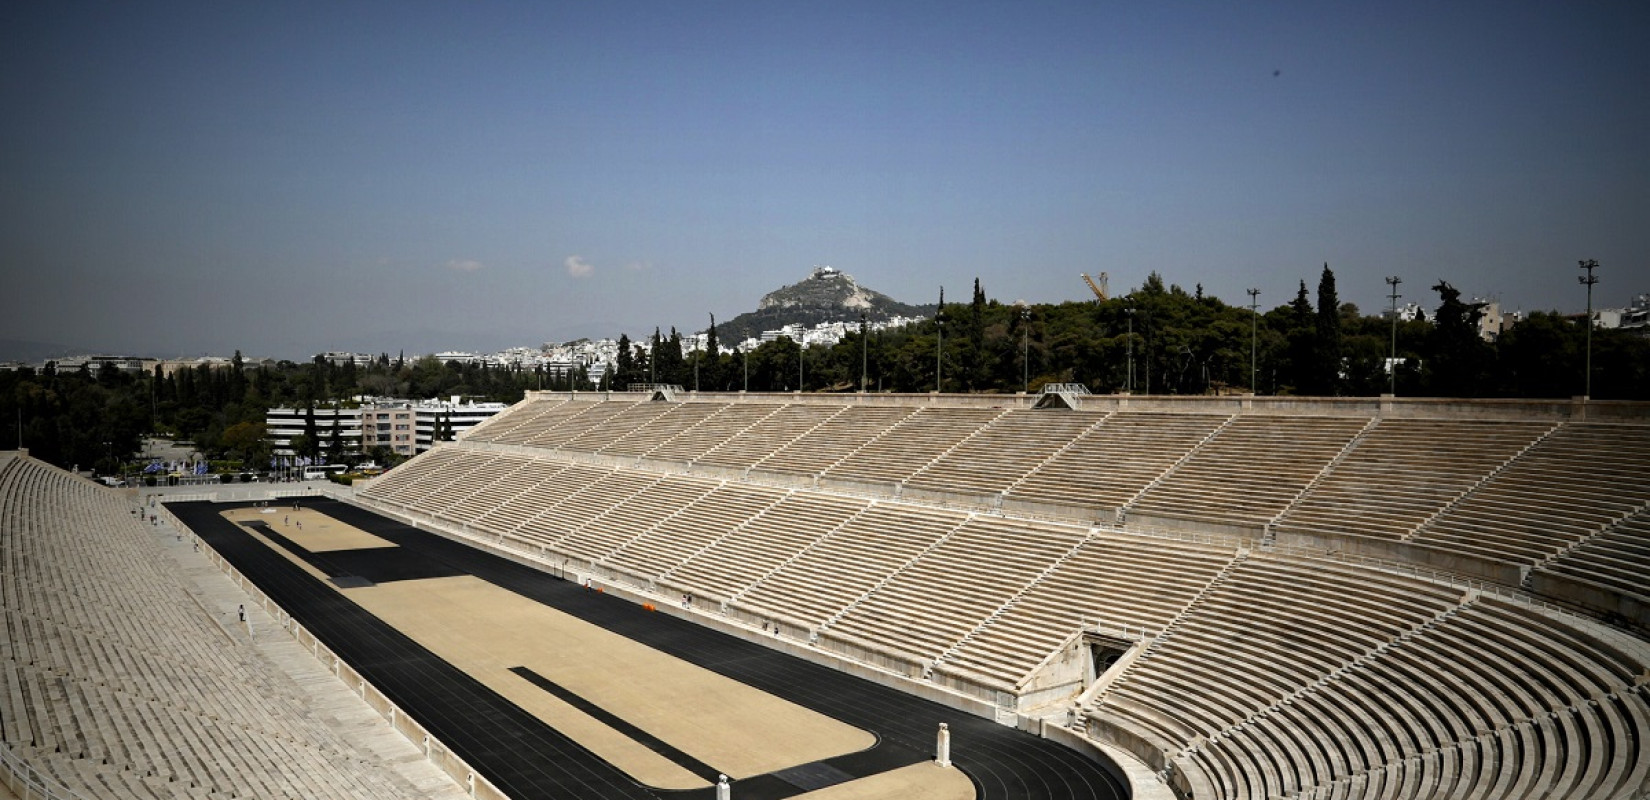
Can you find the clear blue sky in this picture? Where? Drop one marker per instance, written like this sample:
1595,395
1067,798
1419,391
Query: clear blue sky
283,178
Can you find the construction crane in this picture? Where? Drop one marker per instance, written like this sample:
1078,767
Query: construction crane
1099,289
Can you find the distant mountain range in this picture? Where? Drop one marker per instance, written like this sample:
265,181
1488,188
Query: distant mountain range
826,295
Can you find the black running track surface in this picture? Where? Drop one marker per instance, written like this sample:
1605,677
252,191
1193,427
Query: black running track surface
527,759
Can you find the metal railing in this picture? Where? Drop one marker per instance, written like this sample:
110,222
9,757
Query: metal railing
29,783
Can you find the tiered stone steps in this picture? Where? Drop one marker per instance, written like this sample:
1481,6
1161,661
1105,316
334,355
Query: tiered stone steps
728,422
833,439
837,571
1116,581
118,681
1614,558
934,601
1402,471
1579,480
1111,462
769,434
1249,472
1003,452
680,417
763,544
909,445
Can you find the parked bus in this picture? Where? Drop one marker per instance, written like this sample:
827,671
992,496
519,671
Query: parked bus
319,472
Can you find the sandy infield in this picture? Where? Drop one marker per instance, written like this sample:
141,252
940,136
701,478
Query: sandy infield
311,530
926,781
485,630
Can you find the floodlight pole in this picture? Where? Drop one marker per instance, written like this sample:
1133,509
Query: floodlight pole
1254,336
1128,382
939,340
864,352
1588,280
1392,366
747,369
801,357
1025,349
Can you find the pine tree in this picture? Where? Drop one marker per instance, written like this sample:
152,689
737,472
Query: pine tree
1460,357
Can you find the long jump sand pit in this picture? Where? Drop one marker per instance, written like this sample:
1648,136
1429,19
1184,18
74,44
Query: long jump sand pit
486,630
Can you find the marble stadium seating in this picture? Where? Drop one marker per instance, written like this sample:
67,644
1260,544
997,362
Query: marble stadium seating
967,546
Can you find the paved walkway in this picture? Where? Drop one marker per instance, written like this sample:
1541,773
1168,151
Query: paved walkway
528,759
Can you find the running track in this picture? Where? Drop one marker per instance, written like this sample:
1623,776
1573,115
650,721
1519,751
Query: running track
528,760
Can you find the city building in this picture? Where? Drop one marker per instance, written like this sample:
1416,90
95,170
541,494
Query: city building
286,424
1635,317
405,427
460,415
339,358
390,426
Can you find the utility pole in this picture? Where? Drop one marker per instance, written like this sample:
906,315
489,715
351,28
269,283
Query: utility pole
1254,335
1392,365
1588,280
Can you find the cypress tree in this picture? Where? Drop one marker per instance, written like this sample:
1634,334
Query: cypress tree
1326,367
624,370
977,358
312,444
1302,336
710,362
335,441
